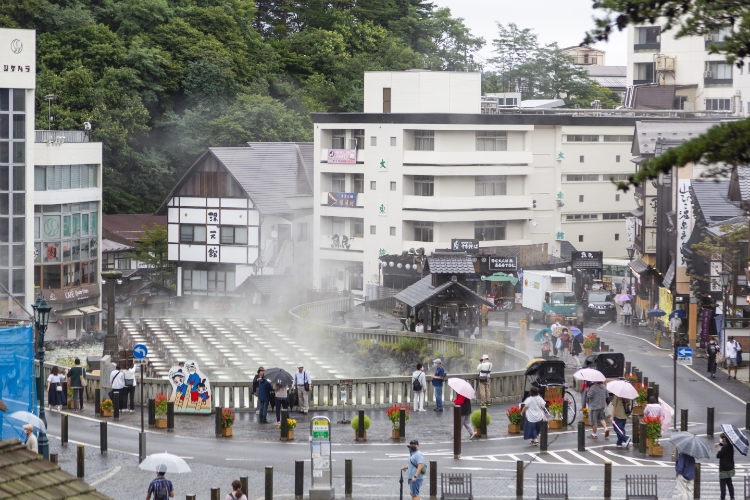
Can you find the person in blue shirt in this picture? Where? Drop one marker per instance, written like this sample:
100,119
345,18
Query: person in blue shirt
437,383
264,396
180,388
416,461
685,468
160,487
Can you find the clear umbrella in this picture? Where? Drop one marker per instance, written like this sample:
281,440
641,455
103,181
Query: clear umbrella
590,375
462,387
687,443
173,463
29,418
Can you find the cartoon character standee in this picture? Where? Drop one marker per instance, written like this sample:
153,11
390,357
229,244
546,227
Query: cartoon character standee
188,378
178,378
203,391
193,380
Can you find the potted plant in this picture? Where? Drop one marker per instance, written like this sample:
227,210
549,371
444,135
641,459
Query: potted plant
641,399
106,408
632,378
227,421
161,410
555,408
653,433
514,419
476,417
394,414
585,413
590,341
355,426
71,401
291,424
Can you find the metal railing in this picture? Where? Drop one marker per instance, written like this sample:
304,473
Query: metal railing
61,136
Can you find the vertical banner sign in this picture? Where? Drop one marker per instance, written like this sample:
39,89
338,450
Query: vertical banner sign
705,327
630,225
321,483
684,219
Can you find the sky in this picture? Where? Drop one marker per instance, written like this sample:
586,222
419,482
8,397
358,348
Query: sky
561,21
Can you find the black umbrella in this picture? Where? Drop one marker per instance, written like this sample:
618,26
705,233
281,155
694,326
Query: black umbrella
279,376
736,437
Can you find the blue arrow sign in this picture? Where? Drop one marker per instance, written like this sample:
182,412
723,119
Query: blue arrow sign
685,352
140,351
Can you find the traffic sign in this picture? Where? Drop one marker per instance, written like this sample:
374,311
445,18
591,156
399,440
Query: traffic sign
140,351
684,356
140,361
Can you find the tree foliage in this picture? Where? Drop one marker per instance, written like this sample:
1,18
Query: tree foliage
727,247
151,249
161,80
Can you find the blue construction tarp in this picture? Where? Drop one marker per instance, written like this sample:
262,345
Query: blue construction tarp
17,376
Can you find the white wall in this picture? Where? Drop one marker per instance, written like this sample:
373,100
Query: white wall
423,91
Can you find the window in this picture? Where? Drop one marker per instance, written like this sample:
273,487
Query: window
393,141
618,138
576,217
618,177
580,159
393,186
717,70
387,102
718,36
338,183
718,105
359,183
207,281
580,238
65,177
492,140
489,230
424,185
490,185
233,235
424,140
373,230
580,198
359,227
338,225
616,216
648,36
581,177
372,185
373,141
617,197
358,136
423,231
617,158
190,233
581,138
355,281
393,230
643,72
617,236
338,139
679,102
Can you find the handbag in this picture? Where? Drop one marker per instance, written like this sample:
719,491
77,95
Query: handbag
84,382
58,388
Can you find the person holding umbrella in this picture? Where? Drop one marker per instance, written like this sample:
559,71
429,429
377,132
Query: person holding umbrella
726,466
688,449
31,442
623,394
711,352
465,392
627,314
160,487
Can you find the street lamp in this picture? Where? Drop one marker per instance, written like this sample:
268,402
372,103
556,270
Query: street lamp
631,252
41,318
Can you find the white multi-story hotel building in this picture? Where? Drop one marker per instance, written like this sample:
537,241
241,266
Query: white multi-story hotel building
423,166
701,81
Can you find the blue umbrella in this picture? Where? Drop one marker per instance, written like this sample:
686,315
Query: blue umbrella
680,313
540,334
688,444
577,333
656,312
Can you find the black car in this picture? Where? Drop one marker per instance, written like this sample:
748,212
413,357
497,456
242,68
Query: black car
599,304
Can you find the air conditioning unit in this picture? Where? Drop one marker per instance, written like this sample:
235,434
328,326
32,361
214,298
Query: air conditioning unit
664,63
707,74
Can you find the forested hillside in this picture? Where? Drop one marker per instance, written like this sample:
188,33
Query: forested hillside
160,80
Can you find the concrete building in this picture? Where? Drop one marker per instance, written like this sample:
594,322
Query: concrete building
423,166
50,203
698,80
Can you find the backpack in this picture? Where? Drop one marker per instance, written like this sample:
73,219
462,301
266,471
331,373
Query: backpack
161,490
416,384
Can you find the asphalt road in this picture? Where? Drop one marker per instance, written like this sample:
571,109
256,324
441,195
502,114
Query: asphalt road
487,457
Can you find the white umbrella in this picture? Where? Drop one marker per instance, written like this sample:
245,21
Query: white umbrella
590,375
173,463
29,418
622,389
462,387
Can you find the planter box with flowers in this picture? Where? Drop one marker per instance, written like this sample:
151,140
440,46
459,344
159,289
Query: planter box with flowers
653,433
227,421
476,422
291,424
355,426
590,341
514,419
394,414
640,402
161,410
106,408
555,408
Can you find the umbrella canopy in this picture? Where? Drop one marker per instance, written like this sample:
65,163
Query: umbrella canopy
622,298
173,463
462,387
687,443
279,376
680,313
501,277
622,389
577,333
656,312
29,418
590,375
540,334
735,437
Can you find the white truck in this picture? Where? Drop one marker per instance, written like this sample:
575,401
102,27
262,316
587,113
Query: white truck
548,293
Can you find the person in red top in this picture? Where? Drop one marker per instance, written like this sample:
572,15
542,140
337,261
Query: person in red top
465,405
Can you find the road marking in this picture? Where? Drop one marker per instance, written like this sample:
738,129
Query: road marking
94,445
631,460
715,385
243,459
606,459
513,457
638,338
537,458
554,454
580,457
604,325
107,476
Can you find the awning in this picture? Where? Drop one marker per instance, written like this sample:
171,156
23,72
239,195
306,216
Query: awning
90,309
638,212
70,313
668,277
638,266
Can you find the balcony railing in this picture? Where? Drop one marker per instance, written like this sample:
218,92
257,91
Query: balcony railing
717,81
61,136
647,46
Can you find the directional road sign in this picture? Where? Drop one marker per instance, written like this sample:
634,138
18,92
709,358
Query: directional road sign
140,361
140,351
684,356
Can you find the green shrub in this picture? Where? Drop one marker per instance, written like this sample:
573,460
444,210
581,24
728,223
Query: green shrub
355,422
476,415
406,344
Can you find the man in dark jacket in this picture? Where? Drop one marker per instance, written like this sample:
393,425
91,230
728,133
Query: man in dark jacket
257,378
264,396
711,350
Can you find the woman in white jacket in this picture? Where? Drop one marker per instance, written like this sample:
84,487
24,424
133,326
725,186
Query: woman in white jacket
419,386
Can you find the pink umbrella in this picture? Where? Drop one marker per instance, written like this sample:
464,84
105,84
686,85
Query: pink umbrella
666,418
623,389
462,387
590,375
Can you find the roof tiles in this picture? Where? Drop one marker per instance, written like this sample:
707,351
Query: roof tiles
451,263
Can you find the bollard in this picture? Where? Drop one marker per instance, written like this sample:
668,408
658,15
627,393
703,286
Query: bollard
710,422
456,432
645,381
80,461
433,480
141,447
361,426
506,319
628,367
64,429
639,375
642,436
697,482
519,479
543,437
348,476
269,483
284,425
151,413
565,413
636,429
103,437
116,404
244,483
189,497
607,479
97,401
650,392
581,436
215,494
483,422
656,391
747,415
217,421
402,424
299,479
683,419
53,458
170,416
